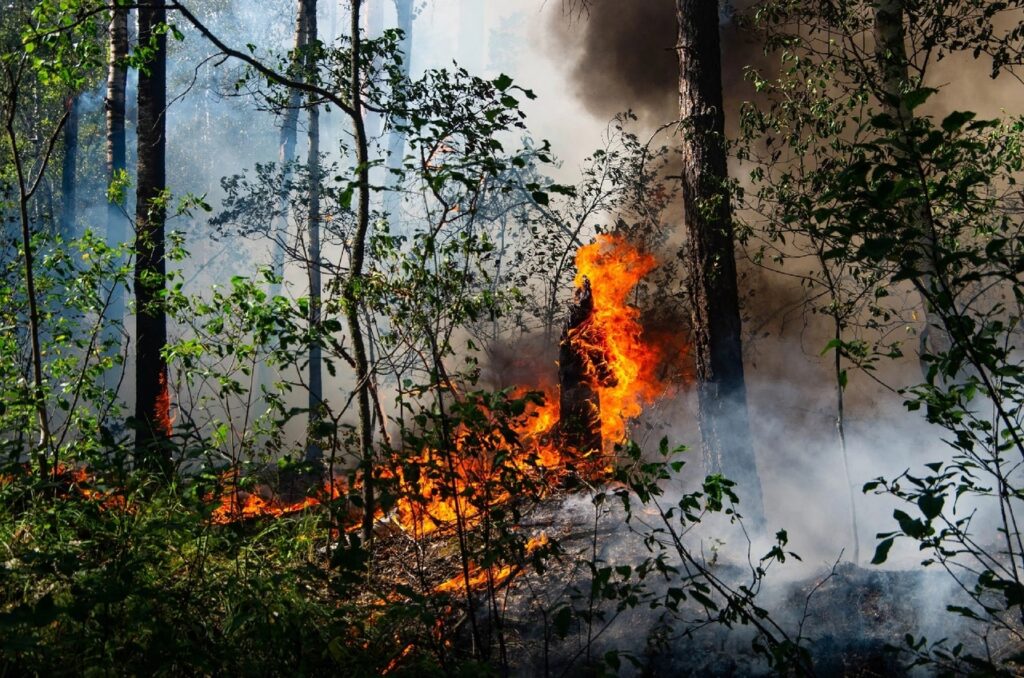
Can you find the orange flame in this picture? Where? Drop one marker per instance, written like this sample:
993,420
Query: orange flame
479,577
458,484
615,267
236,504
163,420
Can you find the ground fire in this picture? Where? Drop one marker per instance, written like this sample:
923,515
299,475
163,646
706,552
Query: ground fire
607,373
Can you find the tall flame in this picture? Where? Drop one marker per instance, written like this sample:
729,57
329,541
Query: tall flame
627,381
614,268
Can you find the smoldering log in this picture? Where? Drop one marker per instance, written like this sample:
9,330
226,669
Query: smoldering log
582,368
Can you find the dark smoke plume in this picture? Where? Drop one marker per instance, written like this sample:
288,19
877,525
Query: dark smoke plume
624,56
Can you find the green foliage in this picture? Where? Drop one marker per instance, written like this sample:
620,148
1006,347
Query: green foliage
889,195
149,586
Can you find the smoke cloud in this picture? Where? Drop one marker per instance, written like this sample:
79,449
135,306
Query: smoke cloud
622,55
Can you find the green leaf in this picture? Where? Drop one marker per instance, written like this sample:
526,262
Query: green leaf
502,82
930,505
956,120
882,551
916,97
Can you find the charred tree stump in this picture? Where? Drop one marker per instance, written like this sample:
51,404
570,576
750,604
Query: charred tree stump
582,368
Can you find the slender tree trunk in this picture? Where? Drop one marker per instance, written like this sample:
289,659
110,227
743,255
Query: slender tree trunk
891,54
316,396
287,141
70,164
115,104
151,388
364,426
724,424
24,195
396,139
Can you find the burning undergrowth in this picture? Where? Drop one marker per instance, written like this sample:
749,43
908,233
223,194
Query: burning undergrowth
609,371
519,526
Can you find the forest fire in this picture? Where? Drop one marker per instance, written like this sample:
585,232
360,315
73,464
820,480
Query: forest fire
235,504
615,364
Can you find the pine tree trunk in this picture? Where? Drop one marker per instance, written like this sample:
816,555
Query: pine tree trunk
117,231
313,451
709,254
68,183
151,388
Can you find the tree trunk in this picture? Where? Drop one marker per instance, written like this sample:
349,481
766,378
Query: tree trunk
70,164
891,54
364,425
396,139
313,451
26,188
709,254
152,416
579,403
287,141
117,231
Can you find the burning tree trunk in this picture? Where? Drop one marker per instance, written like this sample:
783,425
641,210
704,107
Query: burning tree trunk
582,367
709,254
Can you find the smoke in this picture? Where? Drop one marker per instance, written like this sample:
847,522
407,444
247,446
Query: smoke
622,56
619,56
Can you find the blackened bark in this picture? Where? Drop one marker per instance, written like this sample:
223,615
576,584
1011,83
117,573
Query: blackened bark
579,402
68,168
117,231
151,387
709,254
313,451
